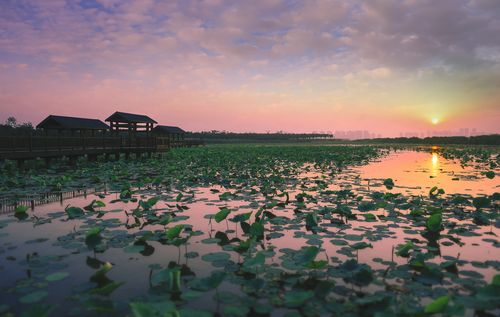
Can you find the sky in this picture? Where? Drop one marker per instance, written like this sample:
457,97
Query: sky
388,66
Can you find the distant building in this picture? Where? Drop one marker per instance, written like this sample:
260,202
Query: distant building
173,133
463,132
72,125
130,122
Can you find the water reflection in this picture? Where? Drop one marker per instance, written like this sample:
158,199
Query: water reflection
434,164
139,256
417,172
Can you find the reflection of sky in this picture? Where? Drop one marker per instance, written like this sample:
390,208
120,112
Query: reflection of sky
413,169
434,164
134,268
255,65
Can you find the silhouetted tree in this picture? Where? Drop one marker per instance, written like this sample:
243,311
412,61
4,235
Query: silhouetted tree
11,122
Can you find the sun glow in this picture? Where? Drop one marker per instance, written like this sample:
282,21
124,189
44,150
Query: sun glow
434,164
435,120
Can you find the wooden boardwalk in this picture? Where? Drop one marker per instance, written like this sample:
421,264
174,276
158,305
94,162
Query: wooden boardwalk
31,147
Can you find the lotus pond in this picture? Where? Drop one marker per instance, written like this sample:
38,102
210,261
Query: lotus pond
291,230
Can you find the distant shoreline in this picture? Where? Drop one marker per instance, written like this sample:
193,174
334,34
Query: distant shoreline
236,138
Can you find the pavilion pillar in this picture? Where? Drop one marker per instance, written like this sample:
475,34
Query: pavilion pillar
20,164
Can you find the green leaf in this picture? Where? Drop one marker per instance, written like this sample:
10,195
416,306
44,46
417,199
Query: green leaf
56,276
134,248
307,255
438,305
256,229
4,308
37,310
242,217
21,209
107,289
33,297
361,245
125,194
366,206
216,256
140,309
311,220
435,191
316,265
389,183
93,237
404,250
225,196
481,202
164,308
174,232
297,298
99,203
258,259
208,283
496,280
93,232
179,197
152,201
370,217
90,207
433,223
222,214
74,212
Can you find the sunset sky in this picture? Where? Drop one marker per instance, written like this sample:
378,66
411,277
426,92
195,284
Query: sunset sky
299,66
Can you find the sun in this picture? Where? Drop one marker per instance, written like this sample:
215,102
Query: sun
435,120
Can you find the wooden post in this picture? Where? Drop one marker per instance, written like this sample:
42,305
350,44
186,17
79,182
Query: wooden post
83,140
72,160
59,140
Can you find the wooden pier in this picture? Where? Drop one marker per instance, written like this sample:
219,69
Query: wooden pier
31,147
72,137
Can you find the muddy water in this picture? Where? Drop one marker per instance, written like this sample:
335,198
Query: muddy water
414,173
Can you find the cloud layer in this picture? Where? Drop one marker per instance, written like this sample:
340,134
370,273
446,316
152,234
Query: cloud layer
255,65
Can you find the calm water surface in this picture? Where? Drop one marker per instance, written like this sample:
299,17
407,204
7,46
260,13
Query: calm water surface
58,244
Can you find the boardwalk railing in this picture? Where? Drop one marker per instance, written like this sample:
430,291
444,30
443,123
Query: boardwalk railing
9,204
21,147
46,146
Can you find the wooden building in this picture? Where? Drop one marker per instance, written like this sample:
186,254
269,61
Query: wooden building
59,136
130,122
173,133
63,124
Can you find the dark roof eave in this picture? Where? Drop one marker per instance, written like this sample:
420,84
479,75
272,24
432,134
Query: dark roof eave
71,123
129,118
168,129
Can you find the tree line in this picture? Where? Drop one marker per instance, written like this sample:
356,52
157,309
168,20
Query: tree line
12,127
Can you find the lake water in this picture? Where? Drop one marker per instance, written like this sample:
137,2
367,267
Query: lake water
32,249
